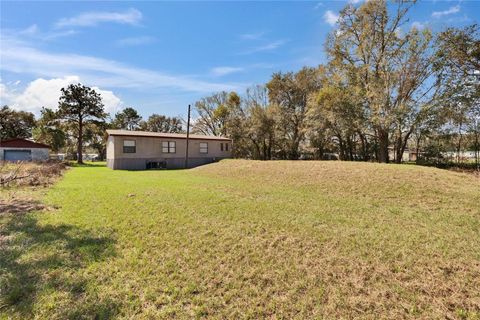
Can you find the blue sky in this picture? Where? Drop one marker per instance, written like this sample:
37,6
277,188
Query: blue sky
160,56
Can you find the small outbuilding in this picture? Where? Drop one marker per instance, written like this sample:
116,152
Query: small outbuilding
18,149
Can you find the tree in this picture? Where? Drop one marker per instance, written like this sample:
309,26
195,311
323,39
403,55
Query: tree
335,110
96,137
390,67
290,93
458,77
49,130
161,123
215,112
127,119
15,124
257,125
80,105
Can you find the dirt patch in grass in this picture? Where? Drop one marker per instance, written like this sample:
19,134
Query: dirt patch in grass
20,206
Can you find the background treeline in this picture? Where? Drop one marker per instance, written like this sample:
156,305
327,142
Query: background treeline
385,87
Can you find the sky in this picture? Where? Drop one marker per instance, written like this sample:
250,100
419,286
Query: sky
158,57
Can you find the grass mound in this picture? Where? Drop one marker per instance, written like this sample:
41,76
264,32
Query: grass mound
248,239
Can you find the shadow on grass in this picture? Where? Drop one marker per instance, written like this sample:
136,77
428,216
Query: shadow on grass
88,164
41,262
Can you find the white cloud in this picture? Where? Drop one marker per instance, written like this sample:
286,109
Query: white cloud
318,6
33,29
135,41
111,102
252,36
18,57
355,1
46,93
89,19
418,25
451,10
330,17
267,47
222,71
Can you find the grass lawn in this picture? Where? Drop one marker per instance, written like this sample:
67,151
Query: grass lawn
246,239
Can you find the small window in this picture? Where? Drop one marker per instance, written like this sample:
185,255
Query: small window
226,146
221,146
203,147
129,146
168,147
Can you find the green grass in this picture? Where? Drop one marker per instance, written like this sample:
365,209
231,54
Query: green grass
247,239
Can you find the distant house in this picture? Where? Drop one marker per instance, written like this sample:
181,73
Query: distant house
23,150
139,150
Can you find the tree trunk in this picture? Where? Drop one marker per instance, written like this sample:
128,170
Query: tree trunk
477,164
417,147
459,145
80,141
382,145
402,146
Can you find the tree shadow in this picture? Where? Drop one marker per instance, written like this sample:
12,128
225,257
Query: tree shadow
38,261
88,164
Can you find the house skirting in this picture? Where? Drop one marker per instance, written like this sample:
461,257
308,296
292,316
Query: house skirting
168,163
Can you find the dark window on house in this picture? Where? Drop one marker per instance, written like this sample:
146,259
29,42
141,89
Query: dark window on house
203,147
221,146
226,146
168,147
129,146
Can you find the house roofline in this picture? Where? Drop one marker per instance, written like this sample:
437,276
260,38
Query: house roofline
144,134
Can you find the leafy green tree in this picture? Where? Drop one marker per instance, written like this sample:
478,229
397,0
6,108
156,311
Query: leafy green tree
214,113
289,92
80,105
255,126
49,130
161,123
335,110
127,119
389,67
96,137
458,77
15,124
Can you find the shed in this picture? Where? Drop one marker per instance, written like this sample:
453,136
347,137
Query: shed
18,149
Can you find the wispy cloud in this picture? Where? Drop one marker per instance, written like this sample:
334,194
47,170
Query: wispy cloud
135,41
252,36
20,57
223,71
330,17
266,47
89,19
449,11
34,32
318,5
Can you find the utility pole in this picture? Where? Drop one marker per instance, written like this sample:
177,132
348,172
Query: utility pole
188,136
